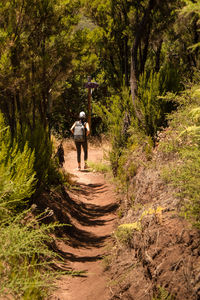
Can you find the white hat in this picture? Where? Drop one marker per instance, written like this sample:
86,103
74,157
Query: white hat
82,115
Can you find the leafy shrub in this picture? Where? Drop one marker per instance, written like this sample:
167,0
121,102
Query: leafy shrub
17,175
183,141
117,114
126,169
25,258
38,141
139,148
99,167
151,103
124,232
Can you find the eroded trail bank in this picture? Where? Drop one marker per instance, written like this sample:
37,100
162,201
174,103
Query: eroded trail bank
90,208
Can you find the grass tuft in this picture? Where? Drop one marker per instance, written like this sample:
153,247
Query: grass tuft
99,167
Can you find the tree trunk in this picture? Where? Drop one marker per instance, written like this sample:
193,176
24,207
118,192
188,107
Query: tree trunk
126,65
19,111
5,107
33,94
13,117
158,52
196,40
133,80
145,50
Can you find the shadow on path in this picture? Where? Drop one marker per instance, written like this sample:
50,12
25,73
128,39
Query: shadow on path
75,258
74,212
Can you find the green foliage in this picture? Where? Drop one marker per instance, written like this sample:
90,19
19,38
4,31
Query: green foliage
38,44
169,79
110,38
39,142
183,41
148,92
17,179
124,233
117,117
151,102
183,141
37,50
68,105
191,7
138,146
25,259
99,167
127,168
45,167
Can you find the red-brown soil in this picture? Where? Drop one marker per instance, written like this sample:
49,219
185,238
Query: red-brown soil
161,261
90,207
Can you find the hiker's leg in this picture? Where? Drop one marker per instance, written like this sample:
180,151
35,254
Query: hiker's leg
85,149
78,150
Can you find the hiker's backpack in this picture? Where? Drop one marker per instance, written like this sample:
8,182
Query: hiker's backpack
79,132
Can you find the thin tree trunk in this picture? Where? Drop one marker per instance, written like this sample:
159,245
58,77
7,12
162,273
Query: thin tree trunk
158,52
133,80
33,110
196,40
19,111
44,83
13,116
33,94
6,108
145,50
126,69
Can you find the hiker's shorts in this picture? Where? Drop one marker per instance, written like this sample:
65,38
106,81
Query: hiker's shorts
84,145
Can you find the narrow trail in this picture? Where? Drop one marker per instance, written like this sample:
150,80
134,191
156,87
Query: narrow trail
93,214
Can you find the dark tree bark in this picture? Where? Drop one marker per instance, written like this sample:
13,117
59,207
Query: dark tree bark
196,40
19,110
125,9
126,64
145,49
33,94
5,107
158,52
13,116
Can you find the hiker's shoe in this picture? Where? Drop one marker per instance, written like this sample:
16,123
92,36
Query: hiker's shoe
86,166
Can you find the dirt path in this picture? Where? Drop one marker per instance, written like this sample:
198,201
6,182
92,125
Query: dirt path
93,215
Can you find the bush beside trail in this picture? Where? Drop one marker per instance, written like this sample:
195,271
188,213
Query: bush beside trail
156,243
26,261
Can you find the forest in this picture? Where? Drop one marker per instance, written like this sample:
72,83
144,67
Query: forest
145,57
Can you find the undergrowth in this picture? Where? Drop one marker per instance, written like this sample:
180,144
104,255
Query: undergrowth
180,147
124,232
183,142
25,259
99,167
17,174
